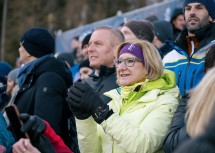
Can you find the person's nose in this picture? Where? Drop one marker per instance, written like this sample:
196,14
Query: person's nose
192,11
91,48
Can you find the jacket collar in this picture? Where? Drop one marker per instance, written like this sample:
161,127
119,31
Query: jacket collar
203,36
103,71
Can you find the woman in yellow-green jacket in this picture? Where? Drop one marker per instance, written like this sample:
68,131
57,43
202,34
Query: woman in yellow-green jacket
137,118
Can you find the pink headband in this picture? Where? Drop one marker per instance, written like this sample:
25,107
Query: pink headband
132,49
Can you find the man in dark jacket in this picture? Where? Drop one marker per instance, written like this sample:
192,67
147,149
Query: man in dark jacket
101,48
43,80
187,60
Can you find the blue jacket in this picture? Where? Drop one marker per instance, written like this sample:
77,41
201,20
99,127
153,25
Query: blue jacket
6,137
189,70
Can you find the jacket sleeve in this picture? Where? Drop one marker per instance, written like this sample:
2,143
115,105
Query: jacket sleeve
49,99
149,136
88,138
177,131
56,140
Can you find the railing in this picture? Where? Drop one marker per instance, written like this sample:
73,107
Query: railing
162,10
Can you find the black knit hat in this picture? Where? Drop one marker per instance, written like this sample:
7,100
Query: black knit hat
209,5
38,42
176,13
86,40
142,29
163,30
85,63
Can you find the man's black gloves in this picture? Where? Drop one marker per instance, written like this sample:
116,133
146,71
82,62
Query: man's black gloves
83,98
35,127
32,125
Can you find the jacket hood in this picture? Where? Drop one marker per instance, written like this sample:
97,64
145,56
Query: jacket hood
167,81
57,66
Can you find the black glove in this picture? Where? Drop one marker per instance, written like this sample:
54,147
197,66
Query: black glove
84,98
35,128
32,125
77,112
44,145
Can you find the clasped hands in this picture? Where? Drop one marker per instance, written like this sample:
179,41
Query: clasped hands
84,102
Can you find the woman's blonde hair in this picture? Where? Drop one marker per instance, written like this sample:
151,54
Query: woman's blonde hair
201,105
152,59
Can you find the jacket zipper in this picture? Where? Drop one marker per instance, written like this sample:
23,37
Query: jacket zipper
185,80
191,81
188,64
179,77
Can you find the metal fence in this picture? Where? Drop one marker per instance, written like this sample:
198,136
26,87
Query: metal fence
162,10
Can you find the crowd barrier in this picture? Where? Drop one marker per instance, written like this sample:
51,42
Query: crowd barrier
162,10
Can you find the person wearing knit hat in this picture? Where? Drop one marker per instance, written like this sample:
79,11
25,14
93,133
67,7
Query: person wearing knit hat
12,80
187,60
136,29
177,21
5,68
163,32
85,70
43,82
84,45
209,5
10,88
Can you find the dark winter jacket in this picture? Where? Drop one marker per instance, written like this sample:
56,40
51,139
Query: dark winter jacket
44,91
105,81
177,131
190,70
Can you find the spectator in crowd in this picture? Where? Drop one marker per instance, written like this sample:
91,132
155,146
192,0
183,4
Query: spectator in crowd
6,137
177,21
135,29
75,45
163,36
201,117
11,88
5,68
140,111
163,32
101,57
152,18
12,82
188,54
68,58
84,45
85,70
80,56
83,54
43,81
177,132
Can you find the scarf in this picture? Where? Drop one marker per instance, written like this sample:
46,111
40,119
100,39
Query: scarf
28,68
